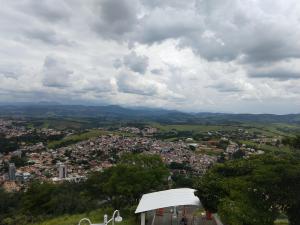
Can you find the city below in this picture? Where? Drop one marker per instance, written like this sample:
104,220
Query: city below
74,162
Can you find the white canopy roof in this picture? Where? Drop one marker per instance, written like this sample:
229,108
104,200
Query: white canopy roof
168,198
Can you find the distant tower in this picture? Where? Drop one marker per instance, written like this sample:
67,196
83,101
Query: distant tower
12,171
62,171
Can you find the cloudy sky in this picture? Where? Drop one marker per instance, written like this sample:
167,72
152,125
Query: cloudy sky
191,55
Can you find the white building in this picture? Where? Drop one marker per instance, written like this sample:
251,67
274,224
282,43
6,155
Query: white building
12,171
62,171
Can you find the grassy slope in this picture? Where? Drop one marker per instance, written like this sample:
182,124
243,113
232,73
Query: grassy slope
83,136
281,222
265,147
59,123
266,129
95,217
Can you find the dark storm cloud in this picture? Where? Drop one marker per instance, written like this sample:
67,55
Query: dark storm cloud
276,74
269,43
217,31
247,38
115,18
164,24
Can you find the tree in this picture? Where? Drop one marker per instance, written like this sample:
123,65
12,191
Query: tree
223,144
133,176
293,142
238,154
47,199
255,190
18,161
7,145
9,203
181,181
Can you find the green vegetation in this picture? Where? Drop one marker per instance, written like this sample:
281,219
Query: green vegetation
182,181
134,175
96,216
258,190
293,142
209,151
195,130
72,139
18,161
179,166
192,128
119,187
14,143
281,222
7,145
266,147
59,123
76,138
254,191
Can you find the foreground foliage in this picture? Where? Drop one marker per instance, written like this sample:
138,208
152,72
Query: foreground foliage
119,187
95,216
254,191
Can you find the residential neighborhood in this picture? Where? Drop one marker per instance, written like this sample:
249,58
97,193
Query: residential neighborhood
39,162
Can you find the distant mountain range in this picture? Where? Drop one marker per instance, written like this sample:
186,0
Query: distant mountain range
116,113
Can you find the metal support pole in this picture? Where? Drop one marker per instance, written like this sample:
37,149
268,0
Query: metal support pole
105,219
143,219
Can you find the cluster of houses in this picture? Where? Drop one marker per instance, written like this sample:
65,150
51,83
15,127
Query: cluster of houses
74,162
97,154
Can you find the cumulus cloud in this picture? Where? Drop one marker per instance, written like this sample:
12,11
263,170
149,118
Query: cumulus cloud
166,3
56,74
227,87
157,71
49,10
11,70
115,18
199,27
133,84
96,85
117,63
47,36
232,86
194,55
136,63
162,24
280,74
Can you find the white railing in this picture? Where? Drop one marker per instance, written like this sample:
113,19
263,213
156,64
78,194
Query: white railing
113,219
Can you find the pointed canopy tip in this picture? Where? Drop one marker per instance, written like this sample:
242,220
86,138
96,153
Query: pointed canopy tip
168,198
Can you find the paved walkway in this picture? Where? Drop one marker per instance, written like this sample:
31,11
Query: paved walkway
167,217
